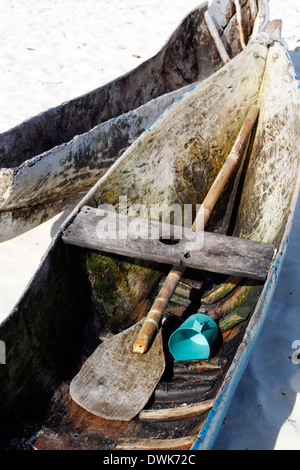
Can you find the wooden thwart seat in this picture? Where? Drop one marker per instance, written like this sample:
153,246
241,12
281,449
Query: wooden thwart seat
110,232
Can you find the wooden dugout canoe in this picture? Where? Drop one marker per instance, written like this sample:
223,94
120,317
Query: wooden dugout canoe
50,161
81,296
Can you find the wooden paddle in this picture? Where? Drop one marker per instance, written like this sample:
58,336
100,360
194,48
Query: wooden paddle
118,379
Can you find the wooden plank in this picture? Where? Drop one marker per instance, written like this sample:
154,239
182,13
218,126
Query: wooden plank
176,413
109,232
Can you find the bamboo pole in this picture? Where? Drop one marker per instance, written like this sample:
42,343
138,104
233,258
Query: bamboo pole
154,316
216,37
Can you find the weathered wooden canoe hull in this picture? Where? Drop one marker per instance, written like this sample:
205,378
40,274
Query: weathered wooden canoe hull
79,296
58,155
61,176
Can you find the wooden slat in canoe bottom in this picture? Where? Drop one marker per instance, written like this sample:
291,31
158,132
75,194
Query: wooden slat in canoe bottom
109,232
182,443
176,413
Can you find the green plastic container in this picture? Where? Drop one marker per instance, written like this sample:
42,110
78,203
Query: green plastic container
194,338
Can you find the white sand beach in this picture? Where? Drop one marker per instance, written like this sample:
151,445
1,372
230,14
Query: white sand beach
52,51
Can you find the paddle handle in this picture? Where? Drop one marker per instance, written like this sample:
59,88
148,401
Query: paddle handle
153,320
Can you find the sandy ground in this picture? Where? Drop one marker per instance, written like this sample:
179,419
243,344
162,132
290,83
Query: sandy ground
52,51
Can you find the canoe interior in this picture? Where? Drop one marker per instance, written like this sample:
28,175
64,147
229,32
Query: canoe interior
80,297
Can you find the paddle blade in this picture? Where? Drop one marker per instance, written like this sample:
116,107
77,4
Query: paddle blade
115,383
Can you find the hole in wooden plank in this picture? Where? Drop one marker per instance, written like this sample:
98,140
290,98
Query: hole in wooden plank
169,241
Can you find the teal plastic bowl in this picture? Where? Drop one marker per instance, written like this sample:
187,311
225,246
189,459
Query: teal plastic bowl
194,338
